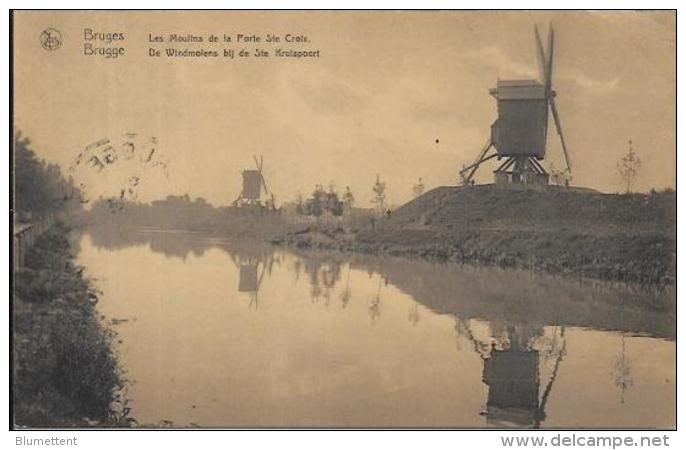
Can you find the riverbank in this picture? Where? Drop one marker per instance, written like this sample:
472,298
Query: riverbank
65,372
180,214
630,238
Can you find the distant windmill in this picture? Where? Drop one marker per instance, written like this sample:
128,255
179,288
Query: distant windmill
520,133
253,184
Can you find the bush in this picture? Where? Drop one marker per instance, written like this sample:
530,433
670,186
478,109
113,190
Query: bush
65,370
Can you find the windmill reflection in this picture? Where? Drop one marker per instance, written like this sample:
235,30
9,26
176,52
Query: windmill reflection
252,267
249,281
512,371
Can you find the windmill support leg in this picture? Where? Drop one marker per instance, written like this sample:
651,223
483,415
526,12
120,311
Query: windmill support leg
506,165
467,173
540,170
540,176
521,170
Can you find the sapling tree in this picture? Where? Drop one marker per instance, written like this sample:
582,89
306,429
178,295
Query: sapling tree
629,167
379,190
418,188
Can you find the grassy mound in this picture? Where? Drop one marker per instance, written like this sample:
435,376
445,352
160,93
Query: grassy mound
553,210
608,236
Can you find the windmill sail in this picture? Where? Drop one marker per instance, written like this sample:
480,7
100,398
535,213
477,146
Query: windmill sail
545,68
545,59
558,126
548,81
540,55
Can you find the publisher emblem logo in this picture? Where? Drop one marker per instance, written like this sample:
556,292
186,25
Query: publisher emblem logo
50,39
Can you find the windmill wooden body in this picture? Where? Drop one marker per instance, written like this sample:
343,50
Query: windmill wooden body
519,134
254,186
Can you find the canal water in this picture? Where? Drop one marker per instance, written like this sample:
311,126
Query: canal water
219,333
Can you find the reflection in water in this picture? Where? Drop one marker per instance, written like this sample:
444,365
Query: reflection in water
347,292
252,267
249,280
375,304
511,371
413,315
622,370
170,243
512,377
493,347
323,277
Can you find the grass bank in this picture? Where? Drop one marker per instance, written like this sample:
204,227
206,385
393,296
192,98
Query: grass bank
629,238
65,371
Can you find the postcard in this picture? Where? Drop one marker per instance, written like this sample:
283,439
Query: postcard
343,219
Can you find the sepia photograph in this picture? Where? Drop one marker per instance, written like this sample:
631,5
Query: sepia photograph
343,219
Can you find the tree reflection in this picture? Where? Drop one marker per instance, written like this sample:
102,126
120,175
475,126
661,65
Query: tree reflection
622,377
375,304
323,277
621,374
413,315
346,294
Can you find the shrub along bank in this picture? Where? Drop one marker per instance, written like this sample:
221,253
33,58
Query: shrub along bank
65,371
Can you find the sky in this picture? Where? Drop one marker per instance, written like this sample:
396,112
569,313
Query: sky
400,94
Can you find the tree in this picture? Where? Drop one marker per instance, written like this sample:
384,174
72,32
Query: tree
39,188
348,199
323,201
314,206
629,167
379,190
418,188
348,202
332,203
300,204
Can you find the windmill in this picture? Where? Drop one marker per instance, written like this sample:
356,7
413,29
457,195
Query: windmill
519,134
253,185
